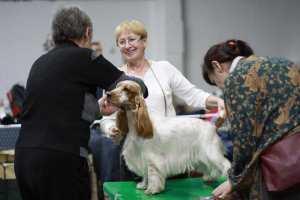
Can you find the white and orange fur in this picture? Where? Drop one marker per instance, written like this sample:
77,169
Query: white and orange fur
158,147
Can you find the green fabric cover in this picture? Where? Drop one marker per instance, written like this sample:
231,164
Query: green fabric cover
185,189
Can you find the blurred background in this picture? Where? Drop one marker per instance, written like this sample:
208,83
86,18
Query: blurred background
179,31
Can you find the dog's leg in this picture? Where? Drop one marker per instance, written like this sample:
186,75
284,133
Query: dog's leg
208,179
226,166
142,185
222,166
217,165
156,182
202,168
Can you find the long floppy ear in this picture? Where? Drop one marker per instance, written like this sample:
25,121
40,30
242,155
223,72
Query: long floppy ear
141,120
122,122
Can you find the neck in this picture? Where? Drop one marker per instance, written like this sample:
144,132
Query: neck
137,66
138,69
81,43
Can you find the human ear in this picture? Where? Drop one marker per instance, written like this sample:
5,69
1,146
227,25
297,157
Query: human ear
217,67
86,35
145,40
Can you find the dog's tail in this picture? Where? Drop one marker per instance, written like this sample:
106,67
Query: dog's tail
220,120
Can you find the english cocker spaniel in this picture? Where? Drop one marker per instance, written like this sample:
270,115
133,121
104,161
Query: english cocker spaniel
157,147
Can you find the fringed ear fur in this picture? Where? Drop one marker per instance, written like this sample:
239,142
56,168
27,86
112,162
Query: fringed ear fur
122,122
141,120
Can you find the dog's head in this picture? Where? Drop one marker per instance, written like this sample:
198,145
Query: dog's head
127,96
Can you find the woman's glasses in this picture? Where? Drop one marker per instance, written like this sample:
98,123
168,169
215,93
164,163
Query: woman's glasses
131,41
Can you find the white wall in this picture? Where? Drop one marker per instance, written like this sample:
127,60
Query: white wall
180,31
25,25
271,27
23,30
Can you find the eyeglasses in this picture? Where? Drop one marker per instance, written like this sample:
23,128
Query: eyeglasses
131,41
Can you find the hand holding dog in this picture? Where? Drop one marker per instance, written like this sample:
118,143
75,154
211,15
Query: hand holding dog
106,109
115,135
215,102
221,107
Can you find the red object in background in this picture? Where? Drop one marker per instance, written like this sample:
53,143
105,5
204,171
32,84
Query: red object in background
14,107
215,110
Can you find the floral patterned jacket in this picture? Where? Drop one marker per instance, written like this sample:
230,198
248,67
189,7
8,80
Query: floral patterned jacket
262,97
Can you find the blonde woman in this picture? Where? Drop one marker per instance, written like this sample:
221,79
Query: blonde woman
161,78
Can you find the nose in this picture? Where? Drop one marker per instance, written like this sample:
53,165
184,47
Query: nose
127,45
108,94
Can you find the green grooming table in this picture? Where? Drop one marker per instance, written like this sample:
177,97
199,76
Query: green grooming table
183,189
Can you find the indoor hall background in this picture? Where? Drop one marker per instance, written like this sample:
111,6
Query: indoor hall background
180,31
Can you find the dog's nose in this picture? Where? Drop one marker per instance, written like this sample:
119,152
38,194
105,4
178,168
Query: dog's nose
108,94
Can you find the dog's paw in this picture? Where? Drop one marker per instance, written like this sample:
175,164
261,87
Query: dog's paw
209,179
141,186
151,191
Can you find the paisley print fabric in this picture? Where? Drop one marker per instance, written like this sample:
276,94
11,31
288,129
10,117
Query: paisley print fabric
262,97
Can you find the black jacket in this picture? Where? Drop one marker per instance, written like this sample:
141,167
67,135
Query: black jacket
60,101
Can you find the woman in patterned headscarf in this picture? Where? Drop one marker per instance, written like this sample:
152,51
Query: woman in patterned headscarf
262,99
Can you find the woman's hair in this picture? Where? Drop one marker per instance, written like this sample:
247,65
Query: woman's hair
70,23
224,52
131,26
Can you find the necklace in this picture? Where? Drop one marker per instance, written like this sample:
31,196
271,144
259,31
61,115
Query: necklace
165,100
147,67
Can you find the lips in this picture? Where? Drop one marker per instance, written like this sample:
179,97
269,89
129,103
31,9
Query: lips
129,52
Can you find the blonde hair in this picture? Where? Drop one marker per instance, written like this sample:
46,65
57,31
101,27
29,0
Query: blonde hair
131,26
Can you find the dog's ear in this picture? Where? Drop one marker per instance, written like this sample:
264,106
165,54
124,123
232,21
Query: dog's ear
122,122
141,120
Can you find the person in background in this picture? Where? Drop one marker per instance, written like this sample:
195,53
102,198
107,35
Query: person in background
96,46
162,80
60,104
262,100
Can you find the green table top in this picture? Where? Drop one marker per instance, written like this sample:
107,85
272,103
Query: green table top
185,189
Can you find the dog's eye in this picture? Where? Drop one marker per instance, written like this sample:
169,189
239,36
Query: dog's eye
126,89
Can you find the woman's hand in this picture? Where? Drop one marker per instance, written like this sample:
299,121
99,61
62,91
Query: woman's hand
216,102
221,106
115,135
106,109
222,191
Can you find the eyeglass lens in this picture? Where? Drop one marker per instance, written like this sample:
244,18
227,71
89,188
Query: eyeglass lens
132,40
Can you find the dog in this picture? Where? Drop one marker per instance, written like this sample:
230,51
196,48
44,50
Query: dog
158,147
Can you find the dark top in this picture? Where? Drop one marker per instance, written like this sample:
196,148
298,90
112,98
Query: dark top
60,101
